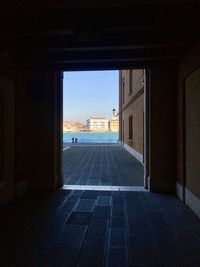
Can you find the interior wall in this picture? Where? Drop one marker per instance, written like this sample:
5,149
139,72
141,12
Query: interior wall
7,149
31,130
187,186
192,110
188,65
37,129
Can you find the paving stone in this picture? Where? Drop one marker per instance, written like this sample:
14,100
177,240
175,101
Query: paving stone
43,234
92,182
158,221
72,236
183,262
117,222
118,194
188,217
173,216
142,251
104,201
100,165
74,197
85,205
78,192
135,208
90,194
190,245
102,212
196,230
117,237
168,247
92,254
133,196
117,210
64,192
79,218
152,205
97,229
139,225
105,193
68,206
62,257
118,200
56,223
117,258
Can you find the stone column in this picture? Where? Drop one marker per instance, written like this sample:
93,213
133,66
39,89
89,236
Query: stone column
59,130
162,129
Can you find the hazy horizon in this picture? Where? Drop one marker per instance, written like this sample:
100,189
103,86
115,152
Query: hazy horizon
89,94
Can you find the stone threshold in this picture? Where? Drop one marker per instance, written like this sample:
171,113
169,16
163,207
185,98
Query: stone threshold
105,188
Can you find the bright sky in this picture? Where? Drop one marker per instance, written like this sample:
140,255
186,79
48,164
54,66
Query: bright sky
90,93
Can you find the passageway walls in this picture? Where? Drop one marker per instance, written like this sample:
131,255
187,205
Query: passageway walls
36,128
31,125
162,128
188,130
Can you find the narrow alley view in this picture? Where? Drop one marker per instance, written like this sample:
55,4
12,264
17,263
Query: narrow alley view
100,149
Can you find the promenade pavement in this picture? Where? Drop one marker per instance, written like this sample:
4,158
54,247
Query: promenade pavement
101,164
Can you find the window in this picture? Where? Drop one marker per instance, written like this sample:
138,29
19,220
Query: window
130,127
130,82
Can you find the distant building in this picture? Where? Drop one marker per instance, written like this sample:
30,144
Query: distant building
114,122
72,126
98,124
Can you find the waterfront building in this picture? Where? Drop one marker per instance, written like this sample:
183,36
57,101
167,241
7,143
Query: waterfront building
131,111
98,124
114,122
71,126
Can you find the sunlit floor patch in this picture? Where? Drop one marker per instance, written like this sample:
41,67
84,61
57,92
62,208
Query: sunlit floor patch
101,165
65,148
105,188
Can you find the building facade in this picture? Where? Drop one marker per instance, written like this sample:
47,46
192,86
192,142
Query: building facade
72,126
114,122
98,124
131,111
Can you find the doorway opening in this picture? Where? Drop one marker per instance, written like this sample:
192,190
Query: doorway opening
103,130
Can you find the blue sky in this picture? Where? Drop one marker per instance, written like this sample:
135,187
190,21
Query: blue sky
89,93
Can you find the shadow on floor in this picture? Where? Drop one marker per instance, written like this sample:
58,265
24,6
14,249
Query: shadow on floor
98,228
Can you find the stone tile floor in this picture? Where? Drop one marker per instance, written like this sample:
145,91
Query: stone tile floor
107,165
98,228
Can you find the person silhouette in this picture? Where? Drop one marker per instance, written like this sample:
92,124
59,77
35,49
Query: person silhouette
76,140
72,139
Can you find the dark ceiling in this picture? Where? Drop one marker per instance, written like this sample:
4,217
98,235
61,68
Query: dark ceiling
53,34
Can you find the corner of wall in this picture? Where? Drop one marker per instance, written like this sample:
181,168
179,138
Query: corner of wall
134,153
158,185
